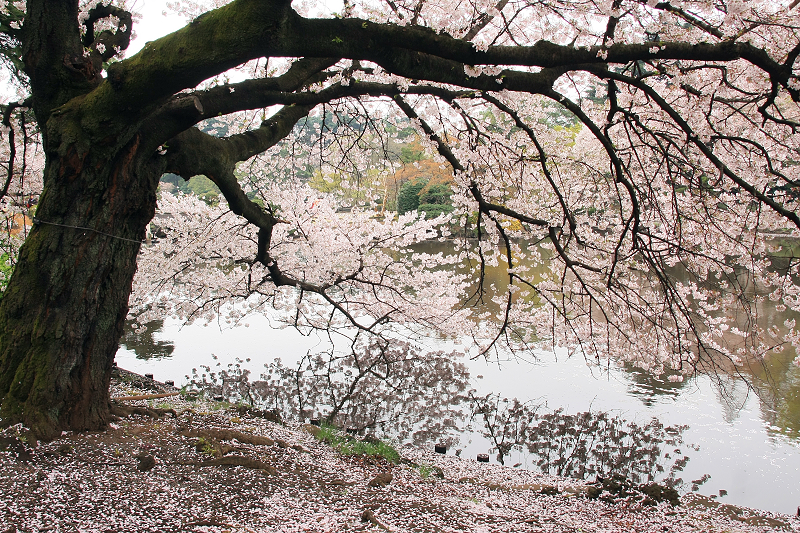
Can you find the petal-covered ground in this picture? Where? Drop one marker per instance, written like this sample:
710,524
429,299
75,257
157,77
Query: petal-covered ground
211,468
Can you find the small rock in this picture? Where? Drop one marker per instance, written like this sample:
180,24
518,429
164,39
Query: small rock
146,462
369,516
381,480
281,443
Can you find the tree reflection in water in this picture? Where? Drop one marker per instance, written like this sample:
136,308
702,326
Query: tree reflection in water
386,388
397,390
140,339
585,445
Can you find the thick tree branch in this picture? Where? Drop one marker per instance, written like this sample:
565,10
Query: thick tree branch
194,152
206,47
53,55
190,109
106,43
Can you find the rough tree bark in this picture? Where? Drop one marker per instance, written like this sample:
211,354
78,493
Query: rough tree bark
62,314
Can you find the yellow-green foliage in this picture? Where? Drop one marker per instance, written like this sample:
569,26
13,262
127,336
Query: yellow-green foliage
347,445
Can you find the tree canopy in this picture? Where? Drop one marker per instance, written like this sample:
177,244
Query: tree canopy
642,153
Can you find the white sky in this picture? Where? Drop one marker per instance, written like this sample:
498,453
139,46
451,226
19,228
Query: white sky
158,20
154,24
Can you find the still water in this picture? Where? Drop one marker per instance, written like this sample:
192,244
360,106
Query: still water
748,444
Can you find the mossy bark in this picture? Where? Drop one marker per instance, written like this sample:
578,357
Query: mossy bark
62,314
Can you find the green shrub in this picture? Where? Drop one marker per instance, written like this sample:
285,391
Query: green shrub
347,445
6,268
408,197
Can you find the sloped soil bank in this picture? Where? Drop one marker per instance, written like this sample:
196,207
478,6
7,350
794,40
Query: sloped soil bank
211,468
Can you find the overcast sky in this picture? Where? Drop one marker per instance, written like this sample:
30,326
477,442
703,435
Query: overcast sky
154,24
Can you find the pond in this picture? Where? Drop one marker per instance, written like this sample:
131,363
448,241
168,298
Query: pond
746,442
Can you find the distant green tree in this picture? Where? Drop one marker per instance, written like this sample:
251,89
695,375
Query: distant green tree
200,186
204,188
436,193
412,152
408,197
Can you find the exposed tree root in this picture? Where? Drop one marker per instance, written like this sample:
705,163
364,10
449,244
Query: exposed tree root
146,396
213,447
238,460
226,434
123,411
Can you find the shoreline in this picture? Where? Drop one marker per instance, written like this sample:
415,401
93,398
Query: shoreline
164,474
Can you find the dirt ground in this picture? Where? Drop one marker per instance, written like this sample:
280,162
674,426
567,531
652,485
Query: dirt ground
207,467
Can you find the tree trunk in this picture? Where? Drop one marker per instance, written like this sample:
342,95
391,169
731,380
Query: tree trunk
63,312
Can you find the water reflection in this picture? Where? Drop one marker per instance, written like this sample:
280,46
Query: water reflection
587,445
775,380
393,389
399,391
757,470
650,389
777,384
141,339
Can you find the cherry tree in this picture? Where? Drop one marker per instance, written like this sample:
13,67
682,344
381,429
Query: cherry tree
642,152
